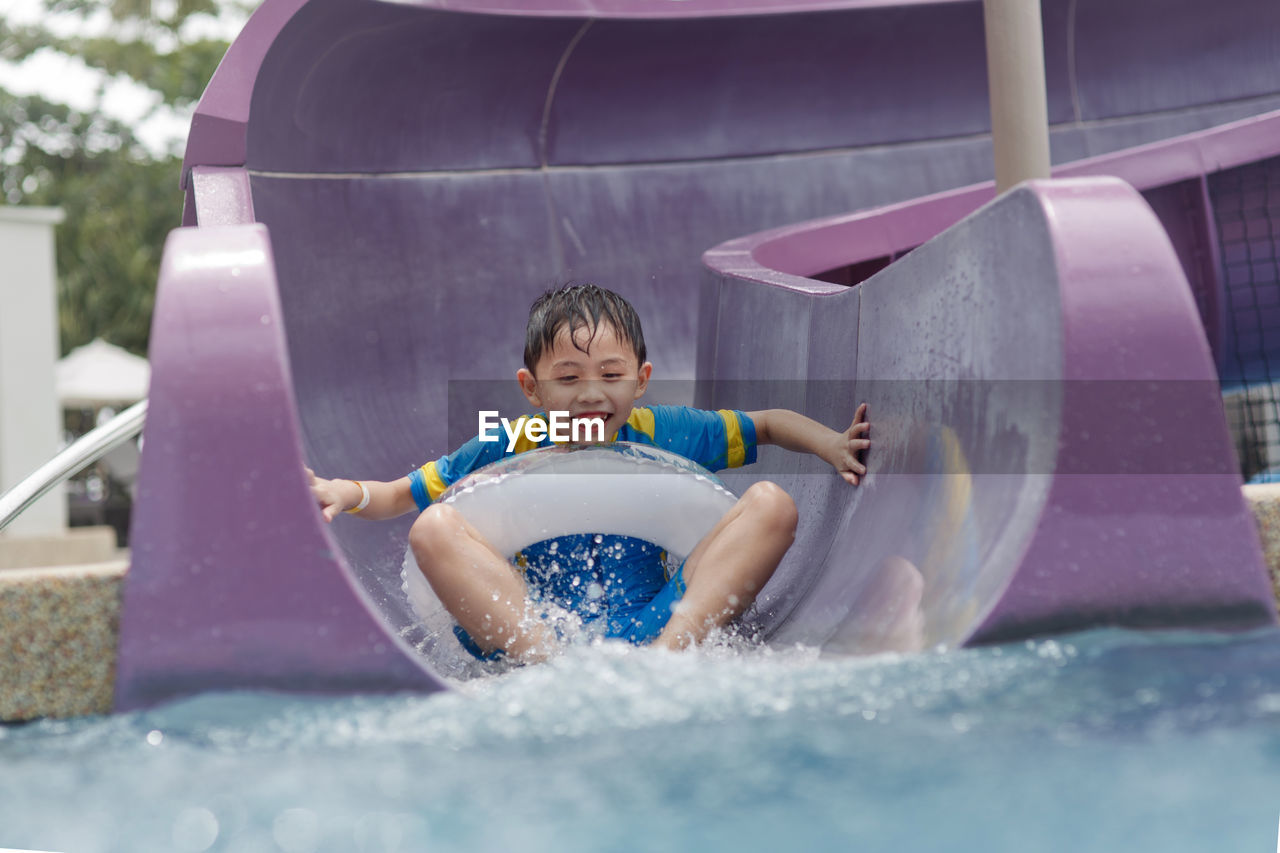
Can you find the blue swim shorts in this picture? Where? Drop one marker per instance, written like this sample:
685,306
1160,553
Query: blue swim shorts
639,626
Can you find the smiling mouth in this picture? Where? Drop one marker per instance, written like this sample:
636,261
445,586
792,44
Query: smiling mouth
586,416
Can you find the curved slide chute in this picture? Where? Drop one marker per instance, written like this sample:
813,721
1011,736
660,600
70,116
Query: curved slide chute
376,191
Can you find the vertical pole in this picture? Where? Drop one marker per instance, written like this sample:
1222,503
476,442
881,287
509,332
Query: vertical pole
1015,79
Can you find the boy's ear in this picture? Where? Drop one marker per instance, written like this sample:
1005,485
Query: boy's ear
529,386
646,370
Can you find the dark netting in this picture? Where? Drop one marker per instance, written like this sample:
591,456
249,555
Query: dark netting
1246,203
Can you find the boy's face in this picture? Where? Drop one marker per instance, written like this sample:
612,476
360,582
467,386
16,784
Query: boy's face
602,382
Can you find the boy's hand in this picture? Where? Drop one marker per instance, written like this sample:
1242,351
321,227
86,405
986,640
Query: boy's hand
849,446
328,495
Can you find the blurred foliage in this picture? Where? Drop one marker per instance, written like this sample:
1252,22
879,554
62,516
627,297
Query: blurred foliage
120,199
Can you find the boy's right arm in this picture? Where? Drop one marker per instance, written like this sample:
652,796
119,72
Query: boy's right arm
386,500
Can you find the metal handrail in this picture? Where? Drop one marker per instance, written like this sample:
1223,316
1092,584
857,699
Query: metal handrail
74,458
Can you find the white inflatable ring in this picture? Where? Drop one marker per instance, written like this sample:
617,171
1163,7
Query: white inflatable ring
621,488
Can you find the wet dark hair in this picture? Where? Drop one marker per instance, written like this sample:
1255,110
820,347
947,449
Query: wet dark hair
574,306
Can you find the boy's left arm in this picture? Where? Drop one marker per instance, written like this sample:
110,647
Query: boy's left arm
794,431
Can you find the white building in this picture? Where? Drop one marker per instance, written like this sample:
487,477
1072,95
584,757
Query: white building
30,416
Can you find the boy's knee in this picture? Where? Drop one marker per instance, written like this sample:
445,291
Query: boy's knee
771,505
434,529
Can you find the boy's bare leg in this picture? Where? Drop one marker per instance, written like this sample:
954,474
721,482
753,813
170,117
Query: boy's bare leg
477,585
731,564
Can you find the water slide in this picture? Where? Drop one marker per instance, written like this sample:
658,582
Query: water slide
376,191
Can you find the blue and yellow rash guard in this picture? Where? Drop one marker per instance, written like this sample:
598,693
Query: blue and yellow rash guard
603,576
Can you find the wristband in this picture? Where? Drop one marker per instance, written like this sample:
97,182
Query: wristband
364,498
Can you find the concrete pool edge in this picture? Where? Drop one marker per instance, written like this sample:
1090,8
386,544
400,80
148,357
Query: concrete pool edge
1264,501
60,627
58,643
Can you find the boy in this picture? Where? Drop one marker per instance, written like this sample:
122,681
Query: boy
585,355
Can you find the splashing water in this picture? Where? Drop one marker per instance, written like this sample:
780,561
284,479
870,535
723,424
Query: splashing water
1097,742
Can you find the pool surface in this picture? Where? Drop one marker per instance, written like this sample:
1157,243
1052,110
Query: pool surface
1103,741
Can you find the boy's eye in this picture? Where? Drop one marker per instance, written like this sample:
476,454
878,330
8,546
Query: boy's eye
613,376
566,380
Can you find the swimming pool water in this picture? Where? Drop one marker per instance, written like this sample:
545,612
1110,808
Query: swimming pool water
1104,741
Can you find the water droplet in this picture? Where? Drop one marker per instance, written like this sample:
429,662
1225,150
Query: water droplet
296,830
1269,704
194,829
155,737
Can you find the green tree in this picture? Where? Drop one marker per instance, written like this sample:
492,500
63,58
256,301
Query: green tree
120,198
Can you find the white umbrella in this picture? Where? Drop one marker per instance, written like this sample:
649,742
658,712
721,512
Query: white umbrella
100,374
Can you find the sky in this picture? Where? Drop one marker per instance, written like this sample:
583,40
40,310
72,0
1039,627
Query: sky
69,81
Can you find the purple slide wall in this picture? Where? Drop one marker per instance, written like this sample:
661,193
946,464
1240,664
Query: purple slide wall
377,191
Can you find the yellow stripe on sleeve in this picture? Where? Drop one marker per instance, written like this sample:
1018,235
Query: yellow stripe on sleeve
642,420
435,483
735,450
